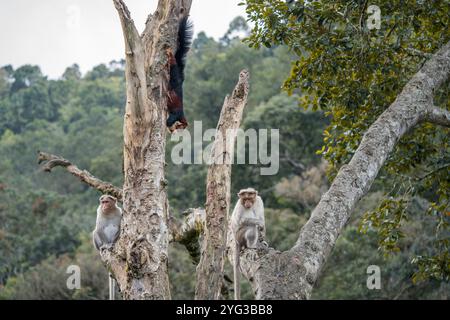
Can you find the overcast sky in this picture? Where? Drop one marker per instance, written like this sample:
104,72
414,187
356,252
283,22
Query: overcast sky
57,33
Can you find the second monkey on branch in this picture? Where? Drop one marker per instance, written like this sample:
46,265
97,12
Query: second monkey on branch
176,119
247,223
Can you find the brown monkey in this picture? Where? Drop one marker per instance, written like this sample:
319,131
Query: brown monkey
107,229
246,223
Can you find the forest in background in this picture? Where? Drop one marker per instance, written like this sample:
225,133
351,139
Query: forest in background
45,221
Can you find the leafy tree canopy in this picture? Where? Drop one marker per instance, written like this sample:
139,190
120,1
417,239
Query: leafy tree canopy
353,74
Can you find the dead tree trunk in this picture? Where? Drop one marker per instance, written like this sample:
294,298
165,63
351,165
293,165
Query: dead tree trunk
292,274
139,259
210,268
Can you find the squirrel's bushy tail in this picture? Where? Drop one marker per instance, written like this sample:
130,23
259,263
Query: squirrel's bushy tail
185,35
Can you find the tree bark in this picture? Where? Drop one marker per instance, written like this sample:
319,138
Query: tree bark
139,259
292,274
210,268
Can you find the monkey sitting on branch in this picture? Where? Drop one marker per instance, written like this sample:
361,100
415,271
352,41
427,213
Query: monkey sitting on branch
107,230
107,226
176,119
247,226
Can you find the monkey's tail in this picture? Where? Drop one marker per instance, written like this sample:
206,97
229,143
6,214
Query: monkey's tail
237,273
185,35
112,287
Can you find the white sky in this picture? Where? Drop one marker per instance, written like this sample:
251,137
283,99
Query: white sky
57,33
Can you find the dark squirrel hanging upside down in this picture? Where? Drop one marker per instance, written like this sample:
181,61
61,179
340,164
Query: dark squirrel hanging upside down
176,119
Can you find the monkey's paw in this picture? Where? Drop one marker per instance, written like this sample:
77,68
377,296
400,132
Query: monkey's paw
177,125
169,52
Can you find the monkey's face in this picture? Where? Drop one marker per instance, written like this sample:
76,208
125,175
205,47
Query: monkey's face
248,199
107,204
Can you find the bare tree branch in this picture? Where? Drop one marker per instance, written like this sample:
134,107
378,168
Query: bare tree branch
130,32
188,231
185,232
49,161
138,104
438,116
210,268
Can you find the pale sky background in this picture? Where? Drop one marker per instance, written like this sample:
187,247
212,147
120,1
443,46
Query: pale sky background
54,34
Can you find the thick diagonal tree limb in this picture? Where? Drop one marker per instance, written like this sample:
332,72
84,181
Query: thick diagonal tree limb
49,161
292,274
210,268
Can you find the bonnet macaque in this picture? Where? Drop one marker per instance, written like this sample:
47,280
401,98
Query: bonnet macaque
107,227
247,224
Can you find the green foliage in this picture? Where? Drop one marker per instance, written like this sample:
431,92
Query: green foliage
387,217
345,274
353,74
41,215
300,137
47,280
181,273
32,225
